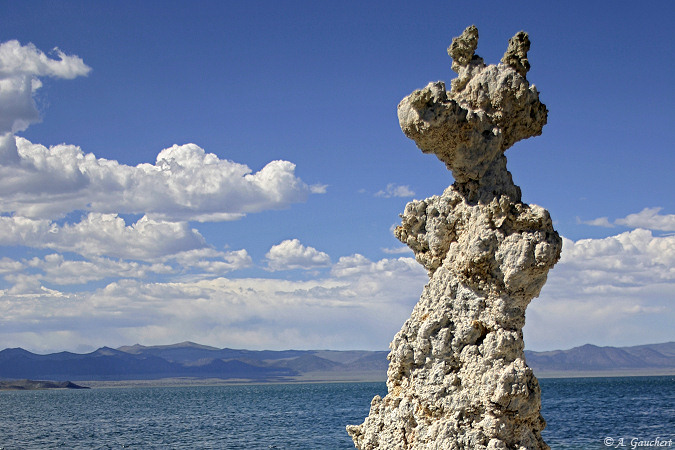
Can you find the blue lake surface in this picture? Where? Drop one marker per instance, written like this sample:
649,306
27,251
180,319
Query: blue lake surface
581,413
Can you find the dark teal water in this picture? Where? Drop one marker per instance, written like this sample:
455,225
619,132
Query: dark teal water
584,412
581,414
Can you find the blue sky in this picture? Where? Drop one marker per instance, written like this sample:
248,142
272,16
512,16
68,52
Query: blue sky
245,168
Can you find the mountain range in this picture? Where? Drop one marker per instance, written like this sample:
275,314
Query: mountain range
651,359
190,361
194,361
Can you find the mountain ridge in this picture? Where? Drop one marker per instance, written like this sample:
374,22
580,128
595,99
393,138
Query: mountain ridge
593,358
192,361
189,360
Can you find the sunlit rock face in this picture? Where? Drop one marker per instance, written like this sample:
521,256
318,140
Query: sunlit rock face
457,377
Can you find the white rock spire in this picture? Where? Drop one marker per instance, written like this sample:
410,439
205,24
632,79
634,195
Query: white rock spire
457,377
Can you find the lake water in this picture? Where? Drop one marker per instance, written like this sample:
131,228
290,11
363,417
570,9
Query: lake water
581,413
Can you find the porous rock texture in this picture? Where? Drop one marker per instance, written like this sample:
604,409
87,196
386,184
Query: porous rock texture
457,377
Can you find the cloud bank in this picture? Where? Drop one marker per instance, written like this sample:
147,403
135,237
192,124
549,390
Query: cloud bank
612,291
359,304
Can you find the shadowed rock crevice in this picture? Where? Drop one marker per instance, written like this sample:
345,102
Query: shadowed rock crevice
457,377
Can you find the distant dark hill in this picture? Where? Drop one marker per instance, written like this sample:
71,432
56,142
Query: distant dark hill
103,364
308,363
346,356
371,361
31,385
666,349
189,352
183,352
591,358
219,368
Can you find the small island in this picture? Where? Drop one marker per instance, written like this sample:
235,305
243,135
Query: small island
32,385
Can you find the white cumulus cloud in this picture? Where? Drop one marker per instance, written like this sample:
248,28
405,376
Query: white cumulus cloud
291,254
629,252
185,183
103,234
618,290
649,218
8,265
21,67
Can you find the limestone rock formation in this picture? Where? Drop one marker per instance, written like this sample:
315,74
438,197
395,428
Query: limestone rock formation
457,377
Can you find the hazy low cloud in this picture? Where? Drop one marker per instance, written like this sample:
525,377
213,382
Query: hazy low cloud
648,218
361,305
58,270
394,190
397,250
20,69
291,254
599,222
604,291
185,183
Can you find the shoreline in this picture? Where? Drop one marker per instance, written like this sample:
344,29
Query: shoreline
606,374
193,382
310,378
